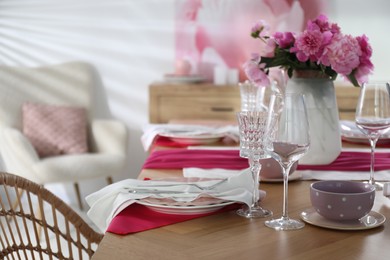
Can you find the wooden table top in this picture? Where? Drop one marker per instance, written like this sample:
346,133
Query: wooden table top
229,236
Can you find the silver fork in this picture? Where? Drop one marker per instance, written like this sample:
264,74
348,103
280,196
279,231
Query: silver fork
204,188
141,191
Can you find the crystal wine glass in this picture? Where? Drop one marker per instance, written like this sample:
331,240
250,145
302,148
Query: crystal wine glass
290,142
257,98
253,130
373,116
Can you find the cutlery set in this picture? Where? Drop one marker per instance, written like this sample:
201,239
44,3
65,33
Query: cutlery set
210,187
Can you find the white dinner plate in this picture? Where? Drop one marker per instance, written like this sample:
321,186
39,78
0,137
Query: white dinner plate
351,133
173,78
372,220
188,138
200,205
293,177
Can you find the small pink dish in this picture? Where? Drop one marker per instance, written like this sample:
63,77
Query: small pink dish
342,200
271,169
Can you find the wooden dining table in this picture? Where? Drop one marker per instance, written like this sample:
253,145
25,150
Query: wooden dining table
229,236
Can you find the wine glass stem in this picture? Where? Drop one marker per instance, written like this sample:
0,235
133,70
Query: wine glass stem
255,169
286,171
372,170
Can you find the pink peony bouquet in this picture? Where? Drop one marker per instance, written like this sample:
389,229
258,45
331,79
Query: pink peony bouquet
321,47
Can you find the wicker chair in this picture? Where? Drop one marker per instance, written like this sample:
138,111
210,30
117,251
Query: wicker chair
36,224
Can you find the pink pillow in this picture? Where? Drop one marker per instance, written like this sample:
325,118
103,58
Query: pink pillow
55,130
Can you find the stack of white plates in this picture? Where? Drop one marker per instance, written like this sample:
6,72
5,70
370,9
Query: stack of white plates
173,78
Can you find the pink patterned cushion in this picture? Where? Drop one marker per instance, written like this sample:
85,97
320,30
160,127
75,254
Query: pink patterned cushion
55,130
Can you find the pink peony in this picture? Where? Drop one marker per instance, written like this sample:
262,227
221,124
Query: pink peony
322,24
269,49
260,28
342,54
284,40
365,47
310,45
365,67
255,73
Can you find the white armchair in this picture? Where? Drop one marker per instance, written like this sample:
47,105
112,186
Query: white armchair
68,84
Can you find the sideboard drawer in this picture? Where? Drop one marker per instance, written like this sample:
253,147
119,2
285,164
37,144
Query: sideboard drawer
192,101
347,97
197,107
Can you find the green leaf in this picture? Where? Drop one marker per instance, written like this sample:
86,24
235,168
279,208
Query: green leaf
290,72
353,80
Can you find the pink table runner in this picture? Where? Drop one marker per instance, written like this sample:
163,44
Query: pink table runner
229,159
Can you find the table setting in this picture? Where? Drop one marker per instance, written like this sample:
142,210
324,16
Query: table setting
184,135
135,205
342,205
148,204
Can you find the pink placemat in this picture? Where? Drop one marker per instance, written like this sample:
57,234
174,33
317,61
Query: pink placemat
137,218
229,159
166,142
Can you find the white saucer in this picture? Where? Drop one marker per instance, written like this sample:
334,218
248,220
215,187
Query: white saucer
372,220
293,177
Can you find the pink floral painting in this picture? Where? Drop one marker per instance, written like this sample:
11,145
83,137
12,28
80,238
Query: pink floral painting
213,33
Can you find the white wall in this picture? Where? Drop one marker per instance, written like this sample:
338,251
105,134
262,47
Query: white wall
357,17
130,42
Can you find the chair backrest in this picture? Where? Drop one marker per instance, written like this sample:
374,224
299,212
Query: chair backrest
35,224
71,83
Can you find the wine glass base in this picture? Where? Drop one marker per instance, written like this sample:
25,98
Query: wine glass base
284,224
378,186
258,212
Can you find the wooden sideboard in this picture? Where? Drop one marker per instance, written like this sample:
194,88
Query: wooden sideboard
206,101
347,97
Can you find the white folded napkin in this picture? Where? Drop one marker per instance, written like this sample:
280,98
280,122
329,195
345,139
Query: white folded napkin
343,175
209,173
150,131
306,174
106,203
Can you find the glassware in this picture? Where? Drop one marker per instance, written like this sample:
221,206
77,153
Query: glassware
373,116
253,131
290,142
257,98
249,96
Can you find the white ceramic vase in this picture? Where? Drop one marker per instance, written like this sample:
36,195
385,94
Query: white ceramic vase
323,115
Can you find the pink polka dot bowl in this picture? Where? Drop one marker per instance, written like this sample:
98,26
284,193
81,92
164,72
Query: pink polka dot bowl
342,200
